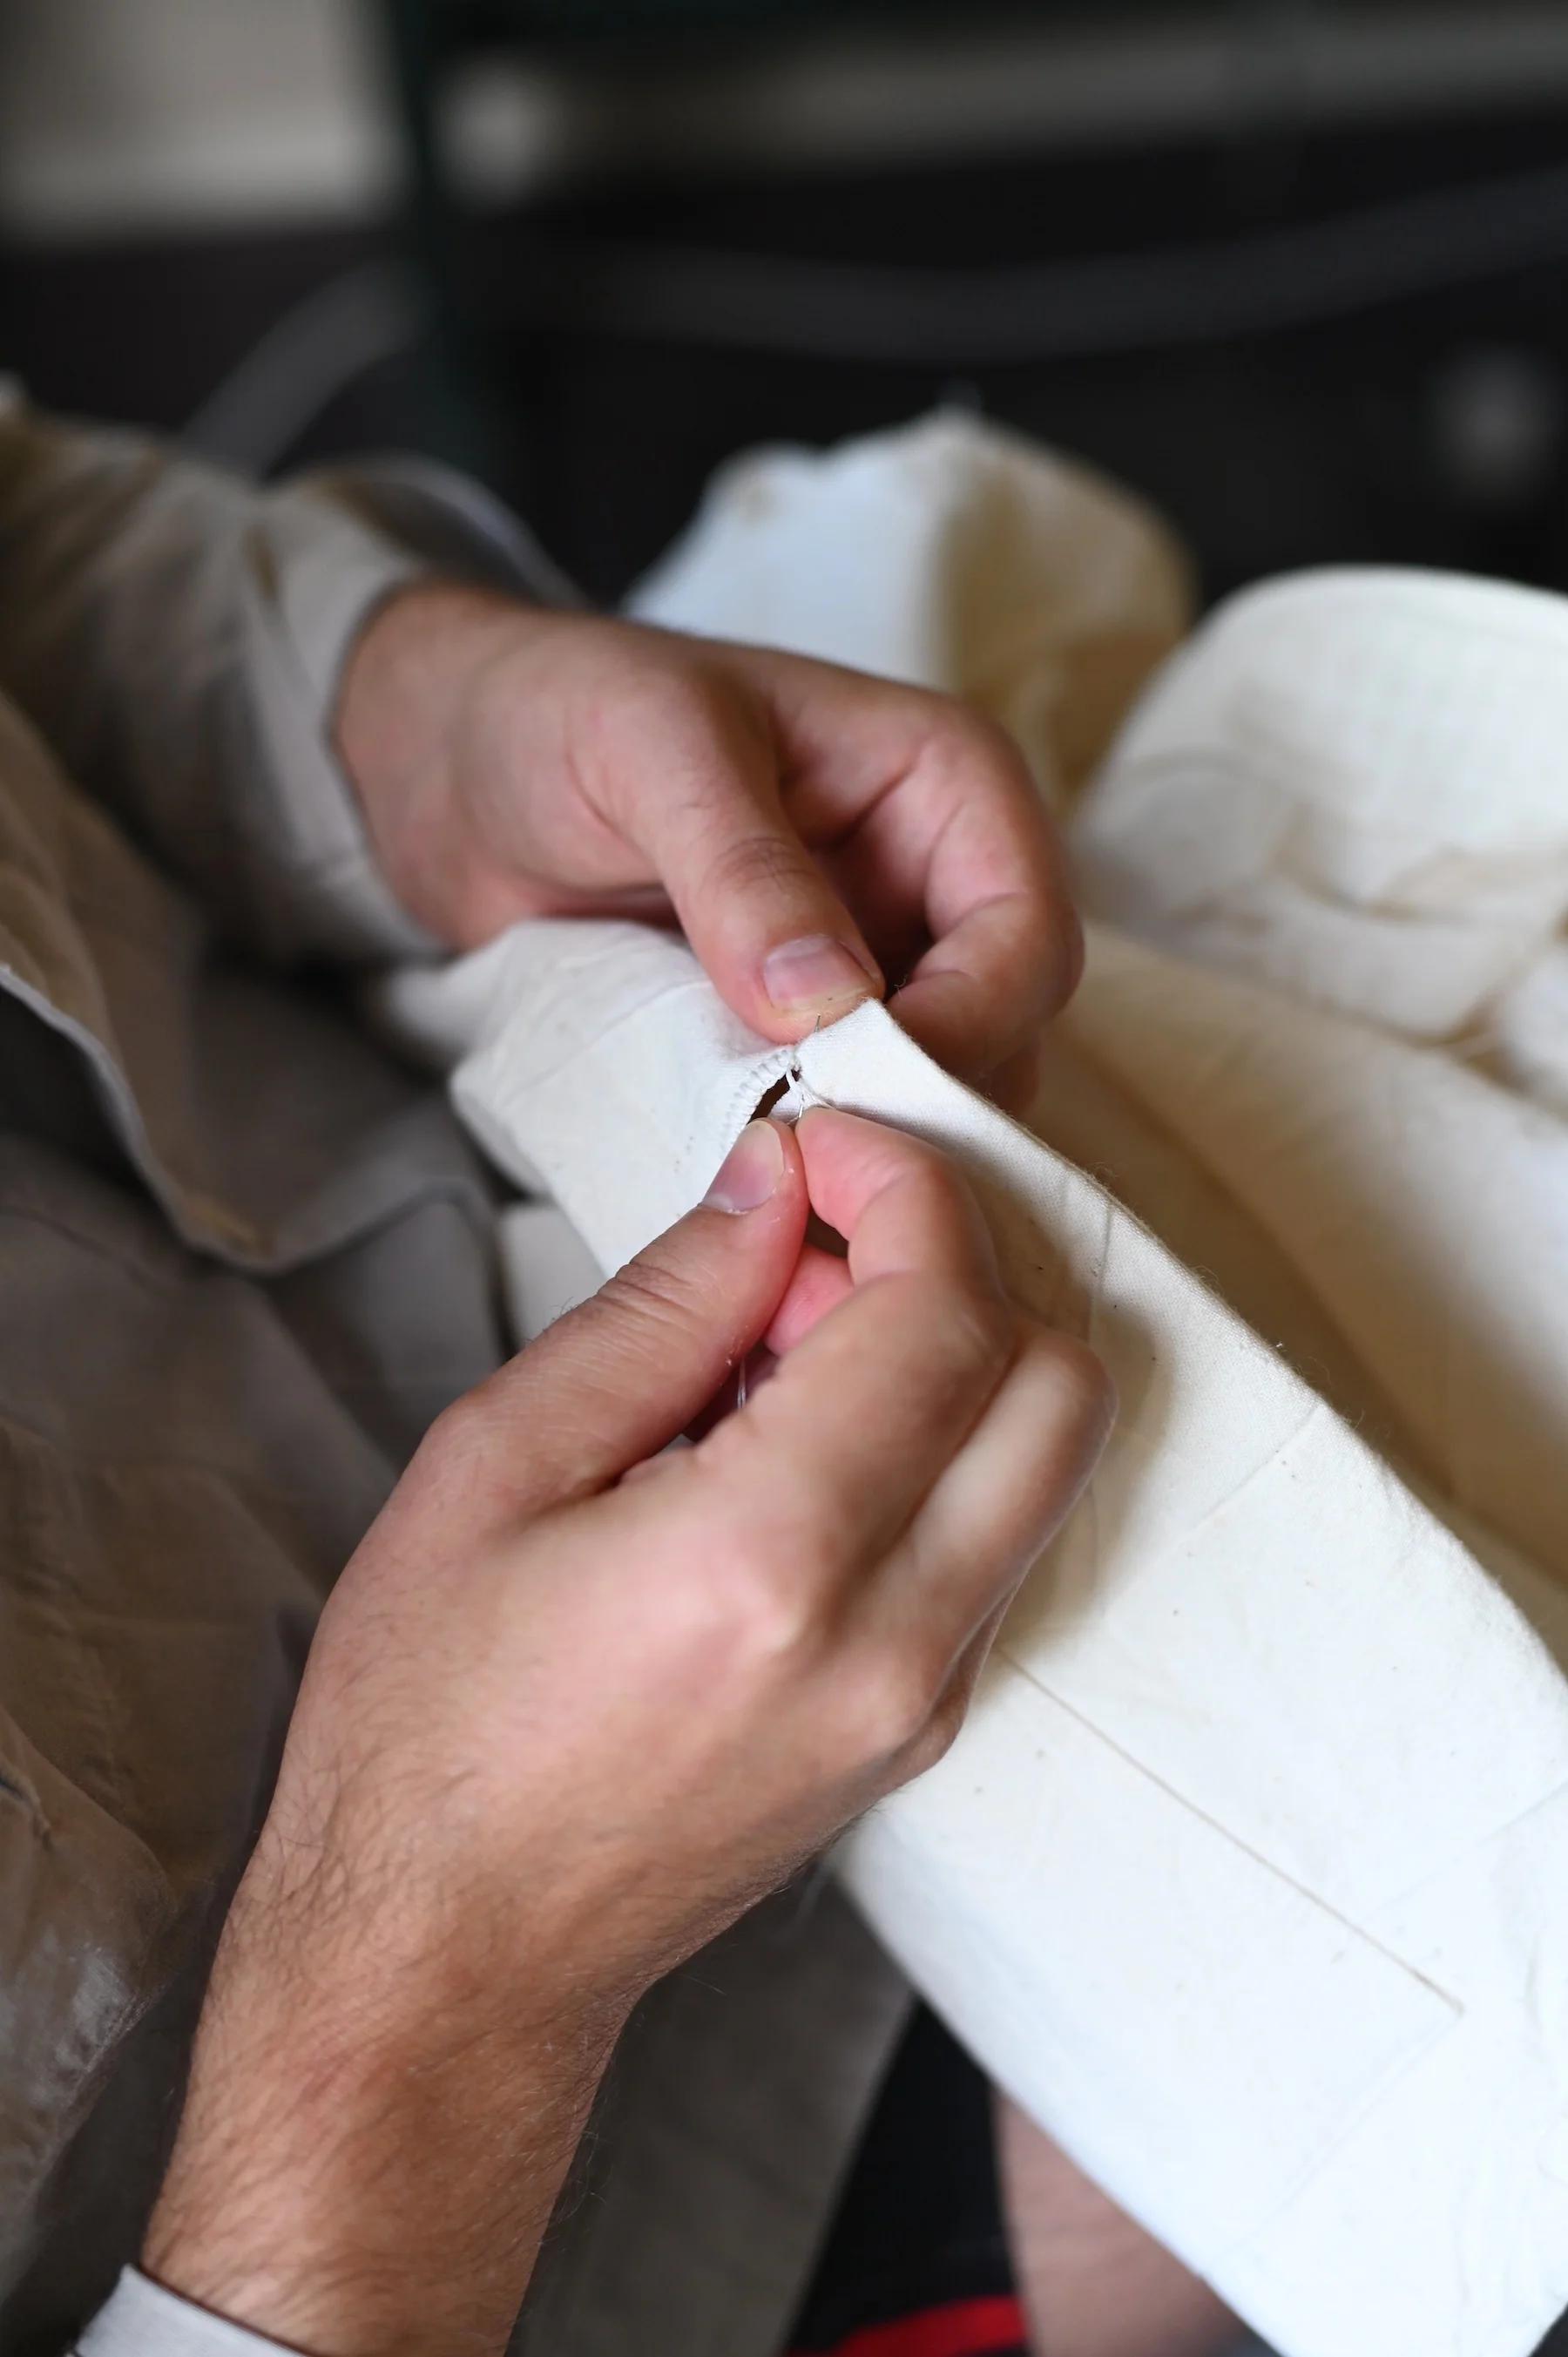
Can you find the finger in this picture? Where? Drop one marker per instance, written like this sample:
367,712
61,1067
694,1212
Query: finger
1004,956
975,999
836,1452
773,935
996,1505
619,1377
821,1280
900,1205
850,1163
938,835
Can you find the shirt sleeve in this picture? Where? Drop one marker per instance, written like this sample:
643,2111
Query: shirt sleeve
143,2319
177,637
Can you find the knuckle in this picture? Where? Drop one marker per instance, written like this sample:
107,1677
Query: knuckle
770,1606
1081,1393
651,1291
947,1195
661,695
927,1166
744,865
459,1433
672,702
941,1215
887,1707
467,1463
971,735
938,1736
991,742
976,1326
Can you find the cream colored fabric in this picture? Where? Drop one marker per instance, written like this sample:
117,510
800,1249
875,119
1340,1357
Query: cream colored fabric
1250,1875
949,554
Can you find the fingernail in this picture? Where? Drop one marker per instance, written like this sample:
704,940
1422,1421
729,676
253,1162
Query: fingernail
814,973
750,1170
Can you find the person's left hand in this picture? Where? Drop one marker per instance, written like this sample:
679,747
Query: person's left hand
822,837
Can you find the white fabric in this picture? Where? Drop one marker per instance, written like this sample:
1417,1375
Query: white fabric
1247,1877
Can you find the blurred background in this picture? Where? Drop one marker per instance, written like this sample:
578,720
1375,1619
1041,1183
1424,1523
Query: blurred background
1294,268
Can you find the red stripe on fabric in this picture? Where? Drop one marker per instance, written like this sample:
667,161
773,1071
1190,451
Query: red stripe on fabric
965,2328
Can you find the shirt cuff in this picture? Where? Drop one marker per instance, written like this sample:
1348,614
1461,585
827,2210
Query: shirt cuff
143,2319
326,550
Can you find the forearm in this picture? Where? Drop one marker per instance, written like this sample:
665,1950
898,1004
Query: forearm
397,2218
369,2157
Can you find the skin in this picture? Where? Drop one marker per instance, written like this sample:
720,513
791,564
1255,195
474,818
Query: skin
574,1704
821,837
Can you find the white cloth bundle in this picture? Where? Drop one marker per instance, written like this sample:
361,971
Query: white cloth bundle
1248,1877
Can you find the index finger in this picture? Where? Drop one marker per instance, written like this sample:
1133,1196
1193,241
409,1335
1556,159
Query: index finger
836,1453
940,836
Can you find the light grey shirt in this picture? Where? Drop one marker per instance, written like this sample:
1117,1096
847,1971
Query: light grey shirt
244,1258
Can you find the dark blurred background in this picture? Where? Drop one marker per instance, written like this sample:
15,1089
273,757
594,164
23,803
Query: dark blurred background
1296,271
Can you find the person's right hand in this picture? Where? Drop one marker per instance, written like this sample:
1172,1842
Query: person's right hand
574,1705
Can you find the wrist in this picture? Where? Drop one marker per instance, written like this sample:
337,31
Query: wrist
413,671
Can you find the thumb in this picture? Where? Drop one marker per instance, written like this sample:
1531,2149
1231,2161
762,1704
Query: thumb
616,1380
773,935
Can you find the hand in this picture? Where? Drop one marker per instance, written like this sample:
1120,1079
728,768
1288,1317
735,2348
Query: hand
574,1705
817,834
